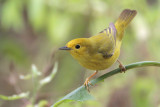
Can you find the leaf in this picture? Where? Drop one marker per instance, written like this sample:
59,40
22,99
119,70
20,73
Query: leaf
37,13
50,77
35,71
80,94
42,103
25,77
11,14
14,97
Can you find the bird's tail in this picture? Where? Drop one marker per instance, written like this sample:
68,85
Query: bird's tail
124,19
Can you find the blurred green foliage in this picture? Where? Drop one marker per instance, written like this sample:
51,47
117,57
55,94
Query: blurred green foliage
30,31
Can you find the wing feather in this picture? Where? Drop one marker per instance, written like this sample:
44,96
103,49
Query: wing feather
108,42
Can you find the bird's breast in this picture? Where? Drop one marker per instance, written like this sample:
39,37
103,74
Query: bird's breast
97,61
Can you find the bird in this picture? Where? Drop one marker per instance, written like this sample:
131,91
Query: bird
101,51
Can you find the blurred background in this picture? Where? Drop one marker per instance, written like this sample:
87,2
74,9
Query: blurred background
31,31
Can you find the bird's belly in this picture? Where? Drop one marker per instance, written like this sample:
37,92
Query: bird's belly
99,63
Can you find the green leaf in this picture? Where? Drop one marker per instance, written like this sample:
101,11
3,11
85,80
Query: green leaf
37,13
11,14
50,77
25,77
80,94
14,97
35,71
42,103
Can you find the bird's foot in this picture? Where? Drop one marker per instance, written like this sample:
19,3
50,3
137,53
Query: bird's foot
122,67
87,83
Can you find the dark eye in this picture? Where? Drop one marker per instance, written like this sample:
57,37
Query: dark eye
77,46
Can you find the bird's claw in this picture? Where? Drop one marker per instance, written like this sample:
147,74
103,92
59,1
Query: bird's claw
87,83
123,69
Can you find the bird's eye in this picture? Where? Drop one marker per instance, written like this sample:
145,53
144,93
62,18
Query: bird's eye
77,46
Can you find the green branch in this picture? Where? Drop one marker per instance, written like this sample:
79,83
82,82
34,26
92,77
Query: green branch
81,94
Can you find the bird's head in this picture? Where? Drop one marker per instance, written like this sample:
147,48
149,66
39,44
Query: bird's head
78,47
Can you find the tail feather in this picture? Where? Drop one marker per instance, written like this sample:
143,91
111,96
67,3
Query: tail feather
124,19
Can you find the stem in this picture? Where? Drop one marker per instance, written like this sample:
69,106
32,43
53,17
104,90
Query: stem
80,93
130,66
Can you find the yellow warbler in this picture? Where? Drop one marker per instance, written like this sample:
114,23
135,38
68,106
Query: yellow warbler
102,50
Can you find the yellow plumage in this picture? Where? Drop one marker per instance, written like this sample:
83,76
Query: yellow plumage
102,50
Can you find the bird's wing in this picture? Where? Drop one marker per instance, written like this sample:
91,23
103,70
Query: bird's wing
108,42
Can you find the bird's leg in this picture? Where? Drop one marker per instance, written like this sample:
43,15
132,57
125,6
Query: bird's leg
121,66
88,82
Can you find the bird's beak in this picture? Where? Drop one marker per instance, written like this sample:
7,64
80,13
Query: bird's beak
64,48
